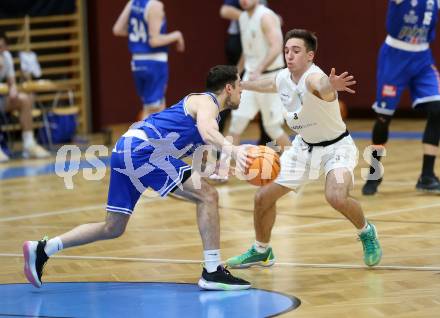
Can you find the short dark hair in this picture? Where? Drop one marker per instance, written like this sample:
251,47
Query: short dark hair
219,76
309,37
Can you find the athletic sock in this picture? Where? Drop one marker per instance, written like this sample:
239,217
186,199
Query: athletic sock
428,166
53,246
261,247
212,260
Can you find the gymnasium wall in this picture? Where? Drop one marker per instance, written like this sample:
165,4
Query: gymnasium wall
350,35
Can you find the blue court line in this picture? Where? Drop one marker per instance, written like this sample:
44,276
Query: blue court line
49,168
139,299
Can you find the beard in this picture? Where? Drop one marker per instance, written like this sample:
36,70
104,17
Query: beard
229,104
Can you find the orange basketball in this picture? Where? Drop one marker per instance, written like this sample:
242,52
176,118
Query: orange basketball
265,167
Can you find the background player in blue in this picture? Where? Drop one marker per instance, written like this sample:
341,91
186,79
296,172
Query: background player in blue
148,155
144,22
405,61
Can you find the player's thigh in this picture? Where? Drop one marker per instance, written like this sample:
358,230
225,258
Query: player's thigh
425,86
197,189
271,109
248,107
393,76
340,161
155,87
295,166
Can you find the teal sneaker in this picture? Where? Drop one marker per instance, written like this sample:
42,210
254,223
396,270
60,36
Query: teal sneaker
251,258
371,246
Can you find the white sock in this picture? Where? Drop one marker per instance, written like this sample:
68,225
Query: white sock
261,247
365,228
53,246
28,139
212,260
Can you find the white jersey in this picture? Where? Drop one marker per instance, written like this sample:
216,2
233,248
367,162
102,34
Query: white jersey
6,65
314,119
253,40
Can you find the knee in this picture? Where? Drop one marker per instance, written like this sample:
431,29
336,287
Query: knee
336,200
261,200
431,135
209,194
113,230
238,124
25,102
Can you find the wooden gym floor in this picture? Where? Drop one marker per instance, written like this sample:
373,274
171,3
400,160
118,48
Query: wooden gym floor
319,259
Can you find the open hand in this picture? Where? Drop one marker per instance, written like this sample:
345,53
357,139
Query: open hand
341,82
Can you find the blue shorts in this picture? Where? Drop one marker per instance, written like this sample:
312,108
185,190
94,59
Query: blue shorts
133,171
151,79
397,70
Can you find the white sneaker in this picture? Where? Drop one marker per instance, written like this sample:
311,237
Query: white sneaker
35,151
219,179
3,156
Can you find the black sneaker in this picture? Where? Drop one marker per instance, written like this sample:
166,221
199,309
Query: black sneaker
428,184
222,279
34,260
370,187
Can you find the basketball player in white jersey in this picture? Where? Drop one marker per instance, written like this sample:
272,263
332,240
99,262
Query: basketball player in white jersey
323,145
261,39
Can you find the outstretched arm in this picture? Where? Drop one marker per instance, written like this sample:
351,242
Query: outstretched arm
229,12
155,16
325,87
263,85
121,25
206,113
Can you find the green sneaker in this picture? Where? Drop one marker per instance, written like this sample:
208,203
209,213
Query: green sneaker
251,258
371,246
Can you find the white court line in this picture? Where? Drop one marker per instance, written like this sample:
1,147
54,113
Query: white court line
283,264
370,215
221,190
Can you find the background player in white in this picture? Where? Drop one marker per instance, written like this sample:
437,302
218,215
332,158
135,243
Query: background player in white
144,22
323,144
261,39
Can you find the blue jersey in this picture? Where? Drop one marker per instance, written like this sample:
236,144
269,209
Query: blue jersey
177,120
138,30
149,155
412,21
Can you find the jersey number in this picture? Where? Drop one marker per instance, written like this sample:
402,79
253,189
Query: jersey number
138,31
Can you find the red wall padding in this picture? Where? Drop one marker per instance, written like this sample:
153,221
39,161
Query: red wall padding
350,34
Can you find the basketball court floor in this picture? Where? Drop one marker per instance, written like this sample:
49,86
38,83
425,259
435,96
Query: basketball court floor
152,270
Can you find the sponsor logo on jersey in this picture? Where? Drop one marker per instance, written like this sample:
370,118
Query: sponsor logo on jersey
389,91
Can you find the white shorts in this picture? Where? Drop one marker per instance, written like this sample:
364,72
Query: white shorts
269,105
299,166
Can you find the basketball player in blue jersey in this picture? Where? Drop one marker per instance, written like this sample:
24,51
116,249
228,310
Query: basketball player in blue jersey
405,61
149,155
144,22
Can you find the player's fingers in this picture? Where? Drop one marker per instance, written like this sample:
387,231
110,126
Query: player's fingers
332,72
343,74
350,83
349,90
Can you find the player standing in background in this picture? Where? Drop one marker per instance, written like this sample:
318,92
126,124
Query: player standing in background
406,61
144,22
